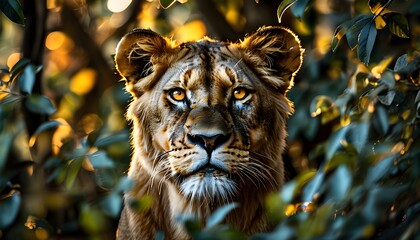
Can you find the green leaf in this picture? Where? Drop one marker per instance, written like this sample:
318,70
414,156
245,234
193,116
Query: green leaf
366,41
378,201
339,184
313,187
124,185
9,209
359,135
284,5
379,170
18,67
5,144
167,3
217,216
72,171
13,10
388,79
106,141
380,120
47,126
112,204
357,25
387,98
334,141
299,8
40,104
100,159
339,33
27,79
401,62
397,24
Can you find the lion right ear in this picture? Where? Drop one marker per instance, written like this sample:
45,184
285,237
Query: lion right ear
136,54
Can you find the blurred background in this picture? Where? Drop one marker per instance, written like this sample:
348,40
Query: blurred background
64,145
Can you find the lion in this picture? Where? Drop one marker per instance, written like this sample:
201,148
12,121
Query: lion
208,127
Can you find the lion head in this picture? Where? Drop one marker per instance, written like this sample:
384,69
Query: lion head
208,116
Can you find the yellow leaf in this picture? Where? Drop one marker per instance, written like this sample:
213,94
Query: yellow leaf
379,22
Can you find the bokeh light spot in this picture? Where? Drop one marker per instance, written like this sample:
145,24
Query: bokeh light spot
118,5
191,31
55,40
83,81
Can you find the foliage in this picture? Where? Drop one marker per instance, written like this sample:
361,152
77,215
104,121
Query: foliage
353,139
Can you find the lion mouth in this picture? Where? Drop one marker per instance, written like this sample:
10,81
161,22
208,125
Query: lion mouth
208,170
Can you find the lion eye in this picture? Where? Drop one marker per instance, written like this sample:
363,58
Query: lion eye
240,93
177,94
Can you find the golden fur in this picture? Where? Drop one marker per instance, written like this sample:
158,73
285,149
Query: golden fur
208,127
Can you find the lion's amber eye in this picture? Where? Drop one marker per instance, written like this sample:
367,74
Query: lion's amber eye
240,93
177,94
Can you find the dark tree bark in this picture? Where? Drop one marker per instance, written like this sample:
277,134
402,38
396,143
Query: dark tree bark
35,12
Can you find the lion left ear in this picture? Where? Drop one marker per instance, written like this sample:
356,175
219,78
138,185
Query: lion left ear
277,54
136,54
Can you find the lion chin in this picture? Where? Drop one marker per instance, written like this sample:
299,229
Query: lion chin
208,127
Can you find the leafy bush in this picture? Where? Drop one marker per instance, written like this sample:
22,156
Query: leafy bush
353,154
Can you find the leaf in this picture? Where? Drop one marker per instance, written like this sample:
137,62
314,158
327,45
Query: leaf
401,62
387,98
340,183
13,10
380,22
5,144
27,79
397,24
376,6
106,141
380,120
112,204
359,135
18,67
40,104
379,200
339,33
284,5
9,209
388,79
379,170
366,41
313,187
100,159
124,185
342,29
167,3
217,216
321,104
356,26
298,9
47,126
335,140
72,171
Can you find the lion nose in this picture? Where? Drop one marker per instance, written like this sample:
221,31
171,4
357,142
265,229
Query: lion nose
208,141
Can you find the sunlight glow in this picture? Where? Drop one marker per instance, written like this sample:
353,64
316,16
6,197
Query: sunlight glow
191,31
118,5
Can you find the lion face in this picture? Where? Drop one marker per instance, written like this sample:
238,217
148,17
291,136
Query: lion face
208,116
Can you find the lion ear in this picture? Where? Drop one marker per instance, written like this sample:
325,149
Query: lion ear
276,52
136,53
